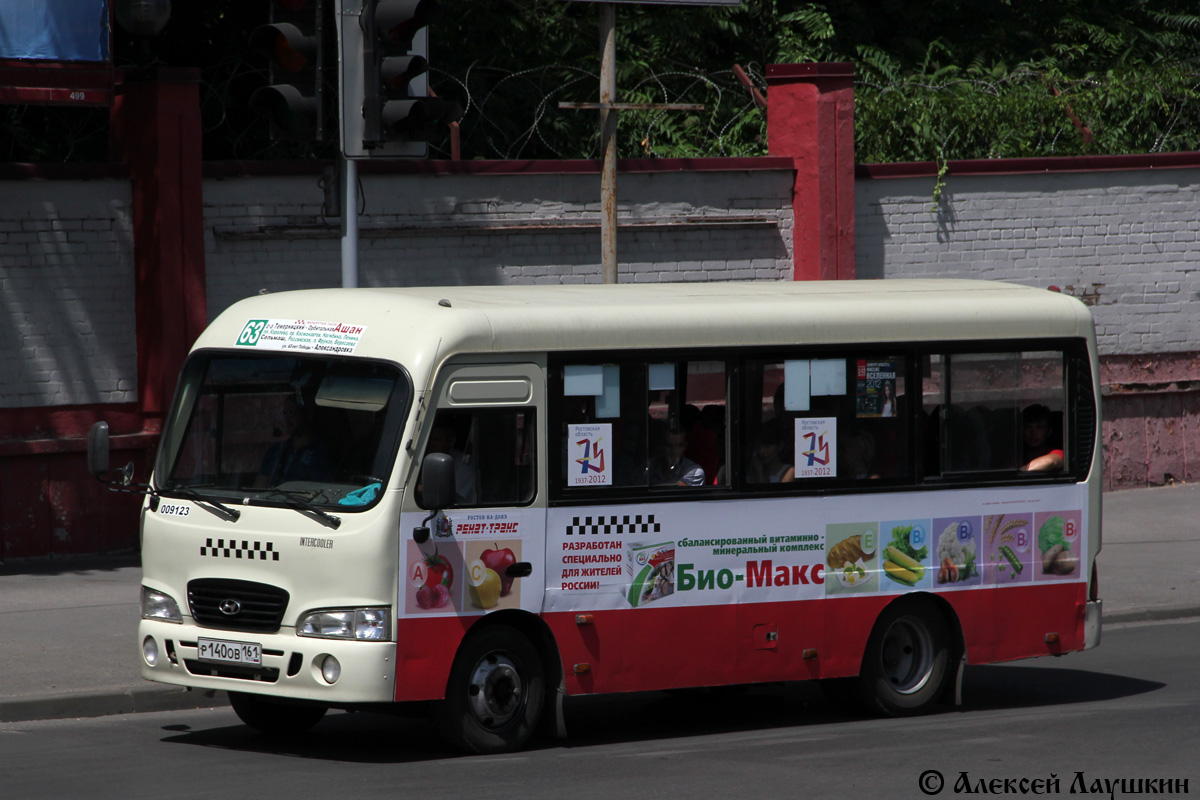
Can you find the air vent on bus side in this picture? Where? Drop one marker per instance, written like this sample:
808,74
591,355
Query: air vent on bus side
1084,443
237,605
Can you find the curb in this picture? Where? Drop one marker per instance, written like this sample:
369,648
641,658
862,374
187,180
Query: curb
1151,614
102,704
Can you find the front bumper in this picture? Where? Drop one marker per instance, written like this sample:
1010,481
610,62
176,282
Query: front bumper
291,665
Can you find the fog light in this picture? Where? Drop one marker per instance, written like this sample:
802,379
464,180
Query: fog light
331,670
150,651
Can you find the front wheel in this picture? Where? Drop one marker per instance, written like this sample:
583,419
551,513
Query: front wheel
273,716
495,695
907,661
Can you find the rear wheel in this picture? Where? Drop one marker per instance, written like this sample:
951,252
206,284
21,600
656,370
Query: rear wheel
907,661
496,693
274,716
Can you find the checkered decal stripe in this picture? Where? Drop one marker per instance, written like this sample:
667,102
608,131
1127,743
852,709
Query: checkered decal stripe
582,526
233,548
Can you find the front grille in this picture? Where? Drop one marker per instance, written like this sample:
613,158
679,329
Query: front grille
242,673
260,606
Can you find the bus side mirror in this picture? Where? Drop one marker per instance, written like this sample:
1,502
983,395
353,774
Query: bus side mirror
437,490
97,450
437,481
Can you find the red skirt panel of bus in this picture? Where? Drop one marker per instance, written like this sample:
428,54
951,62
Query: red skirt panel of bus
652,648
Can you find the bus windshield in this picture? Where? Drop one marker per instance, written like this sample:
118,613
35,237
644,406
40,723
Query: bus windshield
317,430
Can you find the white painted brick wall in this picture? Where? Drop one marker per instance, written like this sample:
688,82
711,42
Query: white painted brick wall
66,293
1128,241
466,229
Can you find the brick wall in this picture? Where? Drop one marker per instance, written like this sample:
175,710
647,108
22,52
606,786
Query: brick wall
268,233
1126,242
66,293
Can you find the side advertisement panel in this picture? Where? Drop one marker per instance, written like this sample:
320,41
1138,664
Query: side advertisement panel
771,550
462,568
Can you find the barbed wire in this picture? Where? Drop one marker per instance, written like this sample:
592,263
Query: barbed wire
512,115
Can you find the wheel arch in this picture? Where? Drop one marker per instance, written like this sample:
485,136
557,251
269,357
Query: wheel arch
927,600
532,627
941,606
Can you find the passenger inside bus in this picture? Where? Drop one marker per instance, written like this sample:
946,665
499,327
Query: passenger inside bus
702,441
670,467
1043,446
856,455
302,456
766,462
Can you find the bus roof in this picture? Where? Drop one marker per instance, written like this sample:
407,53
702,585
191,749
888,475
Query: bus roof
406,324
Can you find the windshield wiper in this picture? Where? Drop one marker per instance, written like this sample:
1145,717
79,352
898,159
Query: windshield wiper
291,500
220,509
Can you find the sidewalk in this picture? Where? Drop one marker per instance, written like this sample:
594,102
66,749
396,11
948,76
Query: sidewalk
68,649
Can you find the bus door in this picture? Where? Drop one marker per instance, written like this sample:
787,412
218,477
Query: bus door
466,560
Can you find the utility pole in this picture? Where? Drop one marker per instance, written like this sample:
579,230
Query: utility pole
608,142
608,107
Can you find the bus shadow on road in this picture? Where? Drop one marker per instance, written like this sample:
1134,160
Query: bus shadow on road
590,721
1027,686
629,718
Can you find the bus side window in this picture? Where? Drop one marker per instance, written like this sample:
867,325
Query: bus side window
994,412
857,404
493,453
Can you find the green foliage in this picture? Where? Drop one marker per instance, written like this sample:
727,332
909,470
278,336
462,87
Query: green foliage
935,81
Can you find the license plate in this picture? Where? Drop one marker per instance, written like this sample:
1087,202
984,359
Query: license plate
230,652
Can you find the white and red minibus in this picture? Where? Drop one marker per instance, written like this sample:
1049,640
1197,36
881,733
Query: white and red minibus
494,497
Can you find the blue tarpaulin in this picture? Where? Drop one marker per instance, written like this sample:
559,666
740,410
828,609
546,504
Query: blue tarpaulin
54,30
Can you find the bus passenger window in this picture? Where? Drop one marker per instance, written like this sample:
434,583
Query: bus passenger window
651,422
821,421
994,412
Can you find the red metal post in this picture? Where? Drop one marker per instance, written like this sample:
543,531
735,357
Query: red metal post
811,120
156,129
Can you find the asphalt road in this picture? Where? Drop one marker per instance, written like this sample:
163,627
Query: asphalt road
1127,710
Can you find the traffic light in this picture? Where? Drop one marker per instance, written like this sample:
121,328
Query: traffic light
396,106
292,44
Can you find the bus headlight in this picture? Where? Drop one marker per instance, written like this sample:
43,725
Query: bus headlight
365,624
157,605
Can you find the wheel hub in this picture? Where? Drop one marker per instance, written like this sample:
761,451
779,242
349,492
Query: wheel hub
907,656
495,693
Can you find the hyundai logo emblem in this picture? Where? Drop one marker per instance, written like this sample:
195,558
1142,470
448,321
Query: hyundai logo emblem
230,608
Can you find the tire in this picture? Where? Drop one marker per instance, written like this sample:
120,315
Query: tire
907,661
495,695
275,717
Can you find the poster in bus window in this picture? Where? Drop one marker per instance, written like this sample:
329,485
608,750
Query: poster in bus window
589,454
816,447
876,388
1008,547
904,556
956,550
1059,545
